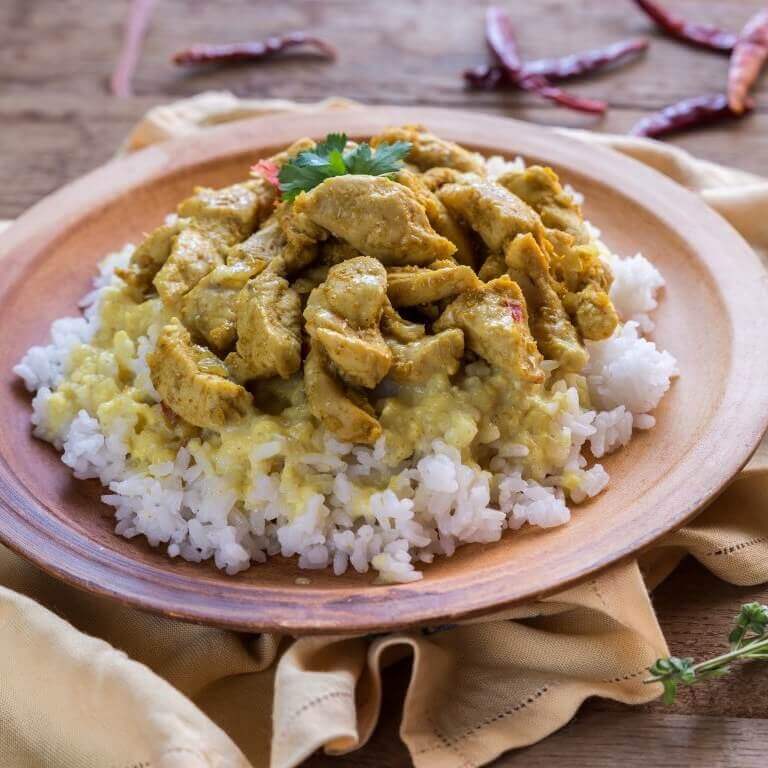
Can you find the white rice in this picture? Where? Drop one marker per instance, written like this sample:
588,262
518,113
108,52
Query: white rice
628,370
431,504
635,285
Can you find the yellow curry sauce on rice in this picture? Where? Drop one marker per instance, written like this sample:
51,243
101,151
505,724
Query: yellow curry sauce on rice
354,358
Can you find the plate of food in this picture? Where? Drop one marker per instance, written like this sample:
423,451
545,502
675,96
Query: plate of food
365,370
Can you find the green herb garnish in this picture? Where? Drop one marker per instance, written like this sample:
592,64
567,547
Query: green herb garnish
313,166
748,640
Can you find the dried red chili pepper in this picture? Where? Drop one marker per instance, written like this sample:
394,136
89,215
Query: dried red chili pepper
578,64
500,35
689,113
574,65
749,55
135,29
702,35
487,77
252,51
542,86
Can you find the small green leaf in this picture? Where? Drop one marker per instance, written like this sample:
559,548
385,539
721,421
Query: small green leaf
389,158
295,178
753,617
681,666
310,159
670,690
336,163
334,142
736,636
358,160
660,668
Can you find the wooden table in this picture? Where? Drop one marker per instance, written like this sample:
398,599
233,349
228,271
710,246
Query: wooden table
58,120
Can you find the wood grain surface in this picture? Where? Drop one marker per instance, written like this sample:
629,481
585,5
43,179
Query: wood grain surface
58,121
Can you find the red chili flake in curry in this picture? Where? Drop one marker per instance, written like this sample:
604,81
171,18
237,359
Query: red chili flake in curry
515,310
268,170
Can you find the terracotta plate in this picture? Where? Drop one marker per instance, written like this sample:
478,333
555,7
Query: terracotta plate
713,318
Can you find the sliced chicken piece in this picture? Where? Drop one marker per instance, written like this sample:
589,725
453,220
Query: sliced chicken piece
411,286
541,189
491,210
268,330
429,151
218,218
585,281
261,248
231,213
362,358
285,244
593,312
377,216
442,221
579,266
149,257
435,178
302,236
575,261
208,310
347,416
416,361
551,327
560,243
494,319
395,327
343,316
194,383
356,289
193,255
494,266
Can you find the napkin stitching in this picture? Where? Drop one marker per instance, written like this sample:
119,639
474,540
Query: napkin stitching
309,705
624,678
514,709
446,743
735,547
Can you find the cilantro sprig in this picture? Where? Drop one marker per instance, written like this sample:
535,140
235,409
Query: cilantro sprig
311,167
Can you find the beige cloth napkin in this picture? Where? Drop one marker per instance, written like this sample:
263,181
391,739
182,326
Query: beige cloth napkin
88,683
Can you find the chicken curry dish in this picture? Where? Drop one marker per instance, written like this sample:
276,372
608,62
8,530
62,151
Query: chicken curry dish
364,353
368,277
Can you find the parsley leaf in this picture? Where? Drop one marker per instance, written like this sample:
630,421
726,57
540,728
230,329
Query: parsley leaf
307,171
312,167
333,142
359,159
336,162
387,159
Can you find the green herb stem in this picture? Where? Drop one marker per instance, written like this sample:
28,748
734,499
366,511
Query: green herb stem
758,649
748,640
